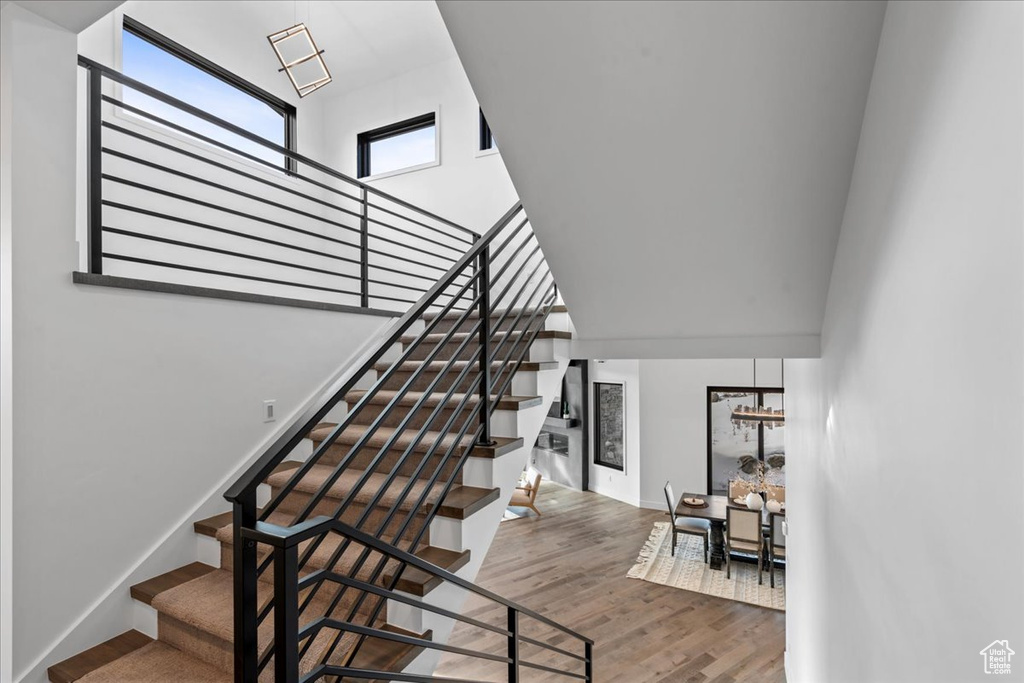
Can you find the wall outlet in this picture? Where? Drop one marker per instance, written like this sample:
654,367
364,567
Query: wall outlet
269,410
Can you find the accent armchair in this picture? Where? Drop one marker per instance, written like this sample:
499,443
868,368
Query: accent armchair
525,496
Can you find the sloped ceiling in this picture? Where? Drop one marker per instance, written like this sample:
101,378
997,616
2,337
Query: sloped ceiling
685,164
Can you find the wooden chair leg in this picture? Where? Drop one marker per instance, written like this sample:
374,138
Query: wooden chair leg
771,568
674,533
728,562
706,549
539,513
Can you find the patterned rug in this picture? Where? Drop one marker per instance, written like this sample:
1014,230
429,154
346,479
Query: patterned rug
687,571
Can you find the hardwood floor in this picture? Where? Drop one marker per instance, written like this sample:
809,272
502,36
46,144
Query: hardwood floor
570,564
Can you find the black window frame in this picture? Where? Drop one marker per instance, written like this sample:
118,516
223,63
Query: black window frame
282,107
486,136
760,393
364,140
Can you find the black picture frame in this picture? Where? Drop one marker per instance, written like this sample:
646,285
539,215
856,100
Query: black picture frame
759,392
610,425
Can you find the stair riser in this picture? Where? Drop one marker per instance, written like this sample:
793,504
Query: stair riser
298,500
336,452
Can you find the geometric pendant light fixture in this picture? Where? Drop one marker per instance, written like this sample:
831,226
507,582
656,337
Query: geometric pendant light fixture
300,59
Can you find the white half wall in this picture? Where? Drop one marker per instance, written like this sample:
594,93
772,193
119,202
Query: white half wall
129,407
906,531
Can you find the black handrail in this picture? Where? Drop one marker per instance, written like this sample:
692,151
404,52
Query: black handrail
477,362
361,225
287,538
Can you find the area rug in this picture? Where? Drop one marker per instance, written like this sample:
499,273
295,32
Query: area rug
687,571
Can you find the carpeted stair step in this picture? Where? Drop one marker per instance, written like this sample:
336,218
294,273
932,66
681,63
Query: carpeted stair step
198,617
135,658
381,399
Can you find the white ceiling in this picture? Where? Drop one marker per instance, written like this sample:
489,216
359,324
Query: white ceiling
685,165
364,42
73,15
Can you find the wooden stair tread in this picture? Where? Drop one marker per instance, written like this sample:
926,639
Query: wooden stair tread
385,396
418,582
210,525
463,501
388,655
87,661
149,589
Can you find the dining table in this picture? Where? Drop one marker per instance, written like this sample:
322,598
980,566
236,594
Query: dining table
715,513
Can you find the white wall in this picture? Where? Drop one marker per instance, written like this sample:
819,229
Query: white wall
917,401
471,189
129,408
673,419
624,486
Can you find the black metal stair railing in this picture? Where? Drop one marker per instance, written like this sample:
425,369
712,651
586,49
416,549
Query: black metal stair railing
364,535
169,200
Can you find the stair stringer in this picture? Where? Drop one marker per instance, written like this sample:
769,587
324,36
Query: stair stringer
477,532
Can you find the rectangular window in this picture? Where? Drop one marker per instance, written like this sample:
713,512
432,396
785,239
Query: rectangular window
175,70
404,145
486,137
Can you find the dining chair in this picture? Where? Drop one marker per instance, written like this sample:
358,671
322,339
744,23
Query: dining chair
777,493
776,541
739,488
743,534
685,525
526,496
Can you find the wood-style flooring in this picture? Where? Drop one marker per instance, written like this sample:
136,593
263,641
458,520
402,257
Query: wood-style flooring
570,564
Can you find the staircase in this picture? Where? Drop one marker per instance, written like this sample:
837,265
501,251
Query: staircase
370,525
353,540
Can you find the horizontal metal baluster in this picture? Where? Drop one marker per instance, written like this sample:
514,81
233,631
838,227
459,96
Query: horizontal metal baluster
224,146
225,252
209,271
466,240
196,112
230,190
224,209
226,167
233,233
410,247
387,226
